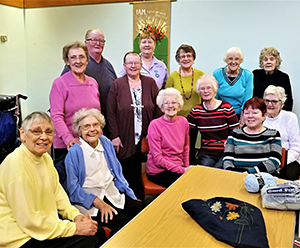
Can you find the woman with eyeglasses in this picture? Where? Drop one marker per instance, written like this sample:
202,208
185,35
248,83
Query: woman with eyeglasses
151,66
71,92
184,79
286,123
214,119
168,156
130,108
235,82
269,74
94,179
32,197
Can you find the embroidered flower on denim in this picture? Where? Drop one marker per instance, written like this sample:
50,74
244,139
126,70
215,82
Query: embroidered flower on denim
232,216
216,207
231,206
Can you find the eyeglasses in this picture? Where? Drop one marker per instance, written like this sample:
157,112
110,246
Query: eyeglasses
188,56
205,88
39,132
170,103
80,57
94,41
273,102
133,63
95,125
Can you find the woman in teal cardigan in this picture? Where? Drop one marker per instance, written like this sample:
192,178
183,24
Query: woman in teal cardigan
235,83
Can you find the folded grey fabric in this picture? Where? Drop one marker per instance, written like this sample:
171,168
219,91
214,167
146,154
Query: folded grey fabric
284,196
229,220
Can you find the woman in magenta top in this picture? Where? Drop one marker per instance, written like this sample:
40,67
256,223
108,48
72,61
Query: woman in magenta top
168,156
71,92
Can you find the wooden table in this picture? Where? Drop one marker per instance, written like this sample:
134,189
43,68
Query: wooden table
164,223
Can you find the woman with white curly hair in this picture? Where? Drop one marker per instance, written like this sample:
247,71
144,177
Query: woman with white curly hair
286,123
168,156
269,74
95,182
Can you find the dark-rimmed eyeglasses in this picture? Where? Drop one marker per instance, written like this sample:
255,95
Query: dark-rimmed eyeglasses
94,41
273,102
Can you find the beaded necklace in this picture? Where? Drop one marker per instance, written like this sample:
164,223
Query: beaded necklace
192,84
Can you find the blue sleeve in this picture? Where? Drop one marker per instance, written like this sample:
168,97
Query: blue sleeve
248,87
75,170
215,74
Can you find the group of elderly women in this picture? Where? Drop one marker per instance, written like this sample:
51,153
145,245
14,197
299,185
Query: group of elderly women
103,177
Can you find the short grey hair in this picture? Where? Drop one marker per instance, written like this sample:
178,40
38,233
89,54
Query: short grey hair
33,117
169,92
231,50
206,78
92,30
83,113
276,91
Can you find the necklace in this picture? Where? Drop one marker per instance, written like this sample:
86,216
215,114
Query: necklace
192,84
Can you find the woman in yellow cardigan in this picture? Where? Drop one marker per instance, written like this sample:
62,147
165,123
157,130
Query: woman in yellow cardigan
31,196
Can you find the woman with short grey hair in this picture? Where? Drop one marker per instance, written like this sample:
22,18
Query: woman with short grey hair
235,82
286,123
269,74
214,119
168,156
32,198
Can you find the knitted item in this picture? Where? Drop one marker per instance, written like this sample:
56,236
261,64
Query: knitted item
255,182
229,220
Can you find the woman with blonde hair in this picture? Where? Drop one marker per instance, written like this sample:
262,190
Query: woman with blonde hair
269,74
151,66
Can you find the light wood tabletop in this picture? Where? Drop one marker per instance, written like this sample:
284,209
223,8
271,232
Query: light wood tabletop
164,223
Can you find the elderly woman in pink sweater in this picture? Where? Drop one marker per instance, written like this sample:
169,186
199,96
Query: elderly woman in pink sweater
70,92
168,156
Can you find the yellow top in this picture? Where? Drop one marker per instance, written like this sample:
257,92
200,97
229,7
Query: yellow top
174,81
31,198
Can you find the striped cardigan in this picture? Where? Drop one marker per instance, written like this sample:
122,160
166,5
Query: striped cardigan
253,152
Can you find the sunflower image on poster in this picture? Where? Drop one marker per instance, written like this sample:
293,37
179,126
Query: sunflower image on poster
156,23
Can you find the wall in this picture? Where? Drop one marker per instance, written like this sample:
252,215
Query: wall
211,27
13,52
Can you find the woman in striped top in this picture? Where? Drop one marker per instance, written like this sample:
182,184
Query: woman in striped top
253,148
214,119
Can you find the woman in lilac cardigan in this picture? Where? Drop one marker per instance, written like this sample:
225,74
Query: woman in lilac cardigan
168,156
71,92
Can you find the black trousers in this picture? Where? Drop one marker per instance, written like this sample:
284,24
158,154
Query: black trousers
131,209
164,178
290,171
59,152
132,171
72,242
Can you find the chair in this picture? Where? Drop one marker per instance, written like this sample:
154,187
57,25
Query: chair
150,188
282,162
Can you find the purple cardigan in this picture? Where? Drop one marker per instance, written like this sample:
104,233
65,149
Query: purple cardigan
67,96
120,115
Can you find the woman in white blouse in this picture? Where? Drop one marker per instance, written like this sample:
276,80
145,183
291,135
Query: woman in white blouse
286,123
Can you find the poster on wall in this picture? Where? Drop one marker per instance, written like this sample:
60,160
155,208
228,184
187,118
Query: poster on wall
153,17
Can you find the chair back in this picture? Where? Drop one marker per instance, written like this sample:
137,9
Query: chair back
283,155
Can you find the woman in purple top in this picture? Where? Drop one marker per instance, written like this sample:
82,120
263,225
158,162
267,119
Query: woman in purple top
71,92
168,156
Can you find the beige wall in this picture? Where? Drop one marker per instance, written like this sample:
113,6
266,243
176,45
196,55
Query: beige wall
13,52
